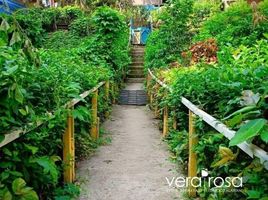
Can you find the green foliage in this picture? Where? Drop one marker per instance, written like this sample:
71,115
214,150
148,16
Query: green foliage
82,26
167,43
60,39
20,191
202,10
108,22
68,192
235,25
248,130
233,90
37,83
36,22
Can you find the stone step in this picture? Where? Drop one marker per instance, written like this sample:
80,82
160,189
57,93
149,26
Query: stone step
135,76
137,49
137,59
136,72
137,53
135,80
140,62
136,67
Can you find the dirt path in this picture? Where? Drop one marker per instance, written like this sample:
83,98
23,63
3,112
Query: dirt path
134,165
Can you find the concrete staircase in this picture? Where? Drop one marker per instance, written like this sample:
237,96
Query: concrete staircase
136,70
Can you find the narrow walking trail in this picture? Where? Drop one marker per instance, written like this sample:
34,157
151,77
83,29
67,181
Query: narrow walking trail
134,165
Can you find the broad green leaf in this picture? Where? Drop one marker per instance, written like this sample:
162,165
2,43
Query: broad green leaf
15,38
247,131
7,194
264,134
18,94
240,111
2,137
253,194
29,194
49,167
4,25
15,173
235,120
23,112
20,189
33,149
11,70
78,115
17,185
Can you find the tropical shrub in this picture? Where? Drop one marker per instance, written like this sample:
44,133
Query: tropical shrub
35,86
234,26
172,37
233,90
239,91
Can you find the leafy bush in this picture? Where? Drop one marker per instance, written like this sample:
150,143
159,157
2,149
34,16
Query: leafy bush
202,10
36,22
82,26
36,84
173,36
234,26
222,90
233,90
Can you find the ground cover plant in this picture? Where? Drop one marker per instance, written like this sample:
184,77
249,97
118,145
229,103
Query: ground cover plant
227,78
38,76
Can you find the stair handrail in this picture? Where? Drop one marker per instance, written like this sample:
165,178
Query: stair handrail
249,148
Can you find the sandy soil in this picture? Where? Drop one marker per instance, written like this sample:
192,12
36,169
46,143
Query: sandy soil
134,166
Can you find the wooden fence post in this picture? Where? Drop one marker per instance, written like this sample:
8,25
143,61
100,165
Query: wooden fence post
148,81
94,127
107,92
174,125
165,122
69,151
151,99
113,92
192,164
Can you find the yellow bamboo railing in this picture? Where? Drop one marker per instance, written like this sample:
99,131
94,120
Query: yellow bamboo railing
68,136
249,148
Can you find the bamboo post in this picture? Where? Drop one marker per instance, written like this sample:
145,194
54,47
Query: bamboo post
98,127
156,110
151,100
69,151
113,92
192,164
165,122
174,125
94,127
107,91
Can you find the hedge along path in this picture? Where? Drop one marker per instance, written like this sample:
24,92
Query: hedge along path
249,148
135,165
68,136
